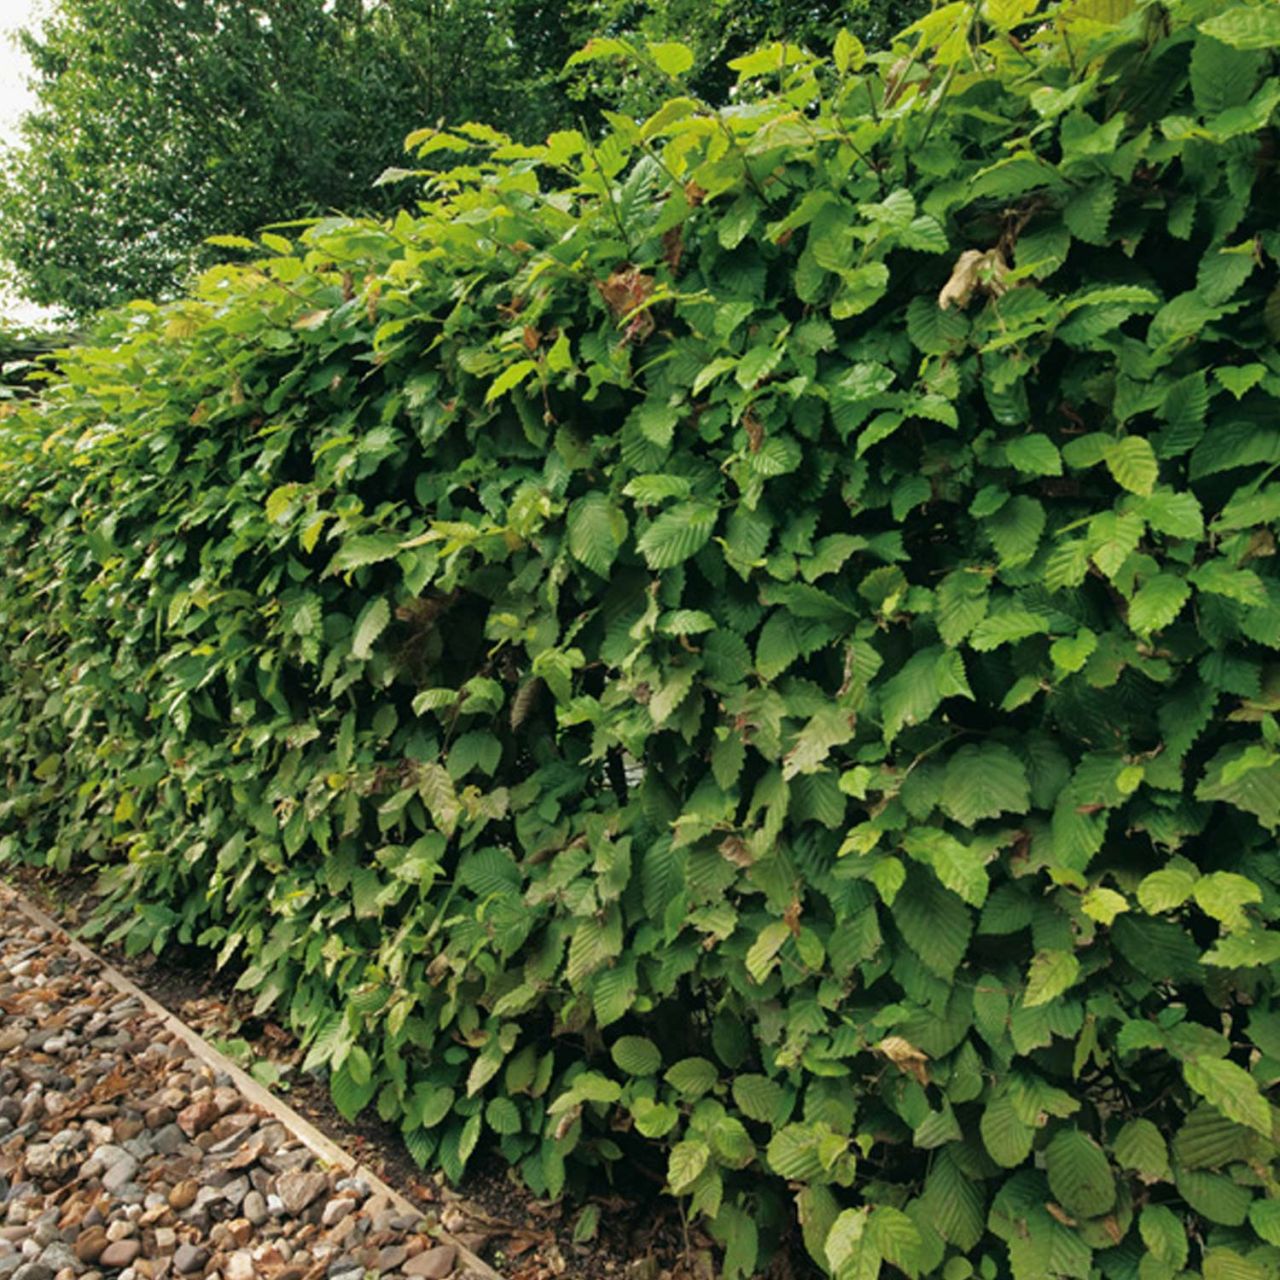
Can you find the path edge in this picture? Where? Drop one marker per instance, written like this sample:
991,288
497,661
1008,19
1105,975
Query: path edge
321,1146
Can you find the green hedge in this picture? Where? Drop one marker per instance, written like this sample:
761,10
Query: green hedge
746,646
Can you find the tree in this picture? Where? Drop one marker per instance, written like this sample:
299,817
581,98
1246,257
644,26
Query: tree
161,122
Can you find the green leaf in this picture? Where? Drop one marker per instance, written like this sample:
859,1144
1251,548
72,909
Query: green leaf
896,1239
1015,530
636,1055
953,1202
1245,27
512,376
367,549
984,781
1176,514
1050,974
1140,1146
860,289
935,923
1264,1218
961,603
677,534
1006,1136
596,531
1255,790
692,1077
1231,1089
793,1153
371,623
913,694
763,952
349,1096
1079,1175
672,56
1088,212
686,1162
502,1115
593,944
1132,463
759,1098
654,1119
1008,626
1103,905
1157,603
1034,455
1166,889
1164,1235
1070,653
1224,895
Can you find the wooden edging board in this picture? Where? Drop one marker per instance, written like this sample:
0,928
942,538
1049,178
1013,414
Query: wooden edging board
321,1146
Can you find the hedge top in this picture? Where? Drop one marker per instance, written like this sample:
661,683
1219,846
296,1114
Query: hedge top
747,642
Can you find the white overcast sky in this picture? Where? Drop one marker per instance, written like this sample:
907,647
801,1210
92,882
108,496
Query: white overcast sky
15,98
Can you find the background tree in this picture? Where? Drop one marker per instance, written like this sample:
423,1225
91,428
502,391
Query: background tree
160,122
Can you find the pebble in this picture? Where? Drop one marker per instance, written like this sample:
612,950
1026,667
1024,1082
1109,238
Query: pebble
189,1258
120,1253
121,1172
183,1195
167,1172
298,1188
335,1211
432,1264
255,1208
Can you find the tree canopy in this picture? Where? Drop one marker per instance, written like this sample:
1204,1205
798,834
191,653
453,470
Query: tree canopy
160,123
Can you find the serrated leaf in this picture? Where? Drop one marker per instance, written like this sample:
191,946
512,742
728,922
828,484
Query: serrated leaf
1231,1089
793,1153
1015,530
686,1161
366,549
1163,1234
1079,1175
677,534
369,626
1006,1136
596,532
1008,626
1049,975
350,1096
961,603
692,1077
1140,1146
636,1055
1245,27
984,781
1034,455
953,1202
896,1239
512,376
935,923
1133,465
1157,603
759,1098
1264,1218
1103,905
1224,895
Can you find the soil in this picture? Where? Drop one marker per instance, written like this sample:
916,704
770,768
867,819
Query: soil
640,1235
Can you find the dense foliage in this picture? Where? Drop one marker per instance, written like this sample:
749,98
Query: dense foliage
159,124
748,645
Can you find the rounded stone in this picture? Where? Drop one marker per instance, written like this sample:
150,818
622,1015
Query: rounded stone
120,1253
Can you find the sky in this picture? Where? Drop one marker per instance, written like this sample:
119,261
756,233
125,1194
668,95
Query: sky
15,98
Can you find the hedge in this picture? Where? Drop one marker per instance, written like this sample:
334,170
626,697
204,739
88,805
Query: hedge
744,648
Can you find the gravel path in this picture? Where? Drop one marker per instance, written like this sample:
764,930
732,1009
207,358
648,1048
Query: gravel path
124,1156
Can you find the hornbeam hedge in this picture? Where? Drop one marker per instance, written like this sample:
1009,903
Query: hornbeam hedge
743,649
